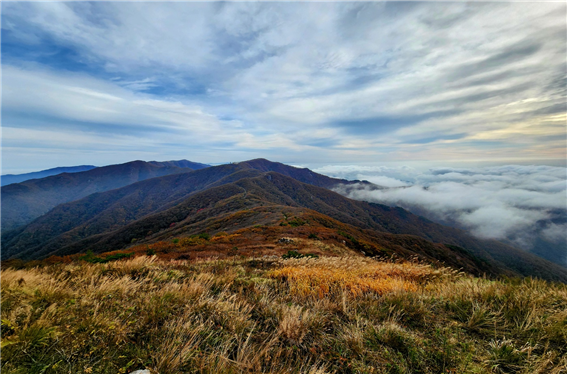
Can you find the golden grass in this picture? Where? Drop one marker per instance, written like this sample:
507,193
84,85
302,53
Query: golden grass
268,315
357,276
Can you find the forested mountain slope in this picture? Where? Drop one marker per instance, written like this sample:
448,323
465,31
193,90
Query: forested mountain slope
23,202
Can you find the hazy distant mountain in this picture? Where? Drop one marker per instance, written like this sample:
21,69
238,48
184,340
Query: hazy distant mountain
209,199
180,164
23,202
13,179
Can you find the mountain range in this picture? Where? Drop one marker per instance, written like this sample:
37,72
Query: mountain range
13,179
25,201
121,206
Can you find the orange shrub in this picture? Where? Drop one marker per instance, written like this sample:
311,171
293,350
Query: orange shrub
223,237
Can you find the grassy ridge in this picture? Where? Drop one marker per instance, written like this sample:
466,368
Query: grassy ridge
269,315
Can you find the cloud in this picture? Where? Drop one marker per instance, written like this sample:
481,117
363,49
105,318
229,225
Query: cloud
55,115
402,81
555,233
86,103
388,182
513,203
498,222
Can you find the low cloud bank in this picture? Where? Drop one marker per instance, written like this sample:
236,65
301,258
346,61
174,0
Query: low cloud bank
522,205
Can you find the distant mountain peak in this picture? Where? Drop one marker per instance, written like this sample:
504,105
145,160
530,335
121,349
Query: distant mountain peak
17,178
26,200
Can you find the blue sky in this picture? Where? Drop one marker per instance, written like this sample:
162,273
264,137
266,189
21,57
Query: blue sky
307,83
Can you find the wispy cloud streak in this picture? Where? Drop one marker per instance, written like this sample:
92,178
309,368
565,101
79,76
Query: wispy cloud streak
314,82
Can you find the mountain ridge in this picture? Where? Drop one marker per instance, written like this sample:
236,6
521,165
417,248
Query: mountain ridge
156,193
240,183
21,177
24,202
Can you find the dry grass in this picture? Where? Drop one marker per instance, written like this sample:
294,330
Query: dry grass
356,276
267,315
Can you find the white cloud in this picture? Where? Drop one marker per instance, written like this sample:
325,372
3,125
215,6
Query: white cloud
336,82
498,222
50,117
513,203
79,99
414,72
388,182
555,233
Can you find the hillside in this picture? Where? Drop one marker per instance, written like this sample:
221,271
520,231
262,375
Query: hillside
23,202
13,179
263,228
335,313
112,209
206,200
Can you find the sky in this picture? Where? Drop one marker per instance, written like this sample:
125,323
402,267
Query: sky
360,83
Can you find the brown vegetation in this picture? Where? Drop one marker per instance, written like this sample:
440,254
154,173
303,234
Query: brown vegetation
265,315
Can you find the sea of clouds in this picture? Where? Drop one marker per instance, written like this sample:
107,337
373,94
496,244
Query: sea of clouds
523,205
